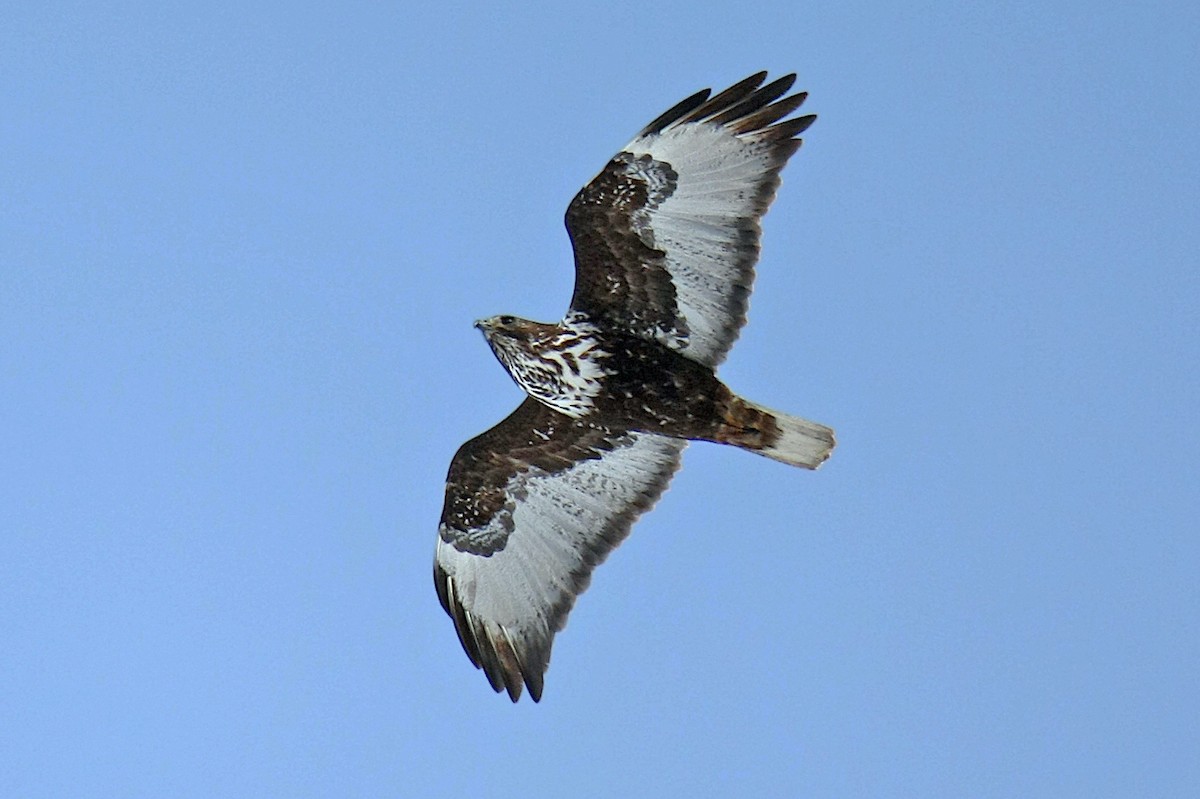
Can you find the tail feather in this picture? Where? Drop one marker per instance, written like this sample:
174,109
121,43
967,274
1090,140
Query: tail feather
776,435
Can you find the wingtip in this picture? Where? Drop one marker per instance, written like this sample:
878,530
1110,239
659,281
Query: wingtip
534,682
747,107
492,649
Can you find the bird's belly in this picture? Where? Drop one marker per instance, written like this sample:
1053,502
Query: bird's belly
676,404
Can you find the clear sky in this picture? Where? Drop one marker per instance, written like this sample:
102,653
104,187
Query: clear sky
241,249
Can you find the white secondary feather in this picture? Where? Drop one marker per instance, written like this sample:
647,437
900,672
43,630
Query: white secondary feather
558,523
701,226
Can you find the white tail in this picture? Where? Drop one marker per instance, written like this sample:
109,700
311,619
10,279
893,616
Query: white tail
778,436
801,442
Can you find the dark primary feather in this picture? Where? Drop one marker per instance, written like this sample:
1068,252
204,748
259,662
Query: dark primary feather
772,113
676,112
728,98
767,94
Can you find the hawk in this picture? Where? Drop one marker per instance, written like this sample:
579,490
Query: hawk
665,240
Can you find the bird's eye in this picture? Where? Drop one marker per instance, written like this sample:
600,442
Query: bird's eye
507,320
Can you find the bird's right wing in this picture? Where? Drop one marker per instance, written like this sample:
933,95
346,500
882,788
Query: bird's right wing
532,507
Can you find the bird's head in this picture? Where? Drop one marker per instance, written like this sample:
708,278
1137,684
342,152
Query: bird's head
503,326
512,338
506,332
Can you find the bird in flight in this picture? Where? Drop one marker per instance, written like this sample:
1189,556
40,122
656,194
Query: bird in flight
665,241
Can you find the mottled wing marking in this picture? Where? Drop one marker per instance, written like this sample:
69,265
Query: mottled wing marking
480,497
667,235
532,506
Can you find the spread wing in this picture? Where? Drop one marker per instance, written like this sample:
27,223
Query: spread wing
532,507
667,235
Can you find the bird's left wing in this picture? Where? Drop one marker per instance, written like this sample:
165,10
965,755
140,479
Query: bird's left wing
532,507
667,235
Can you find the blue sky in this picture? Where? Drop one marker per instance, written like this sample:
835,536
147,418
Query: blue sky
241,249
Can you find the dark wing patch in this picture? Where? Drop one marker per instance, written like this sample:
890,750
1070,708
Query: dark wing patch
477,515
667,235
610,224
532,506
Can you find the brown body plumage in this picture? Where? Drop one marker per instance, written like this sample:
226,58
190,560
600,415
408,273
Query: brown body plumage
637,384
